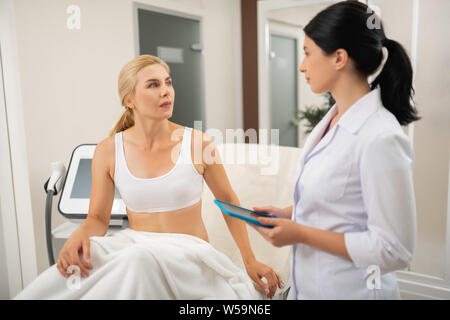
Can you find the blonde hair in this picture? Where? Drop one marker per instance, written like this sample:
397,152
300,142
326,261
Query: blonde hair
127,87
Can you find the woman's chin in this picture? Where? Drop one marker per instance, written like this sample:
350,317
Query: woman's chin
168,115
318,90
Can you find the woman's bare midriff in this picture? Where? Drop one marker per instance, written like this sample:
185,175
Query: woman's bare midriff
186,221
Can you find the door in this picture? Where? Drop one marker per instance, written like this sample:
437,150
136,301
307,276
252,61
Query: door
4,282
177,41
10,269
283,88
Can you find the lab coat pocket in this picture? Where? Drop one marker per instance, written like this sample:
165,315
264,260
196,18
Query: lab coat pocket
341,279
336,180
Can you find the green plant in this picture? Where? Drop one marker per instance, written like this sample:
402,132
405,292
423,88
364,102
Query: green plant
313,113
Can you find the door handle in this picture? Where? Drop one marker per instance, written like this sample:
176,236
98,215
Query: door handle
197,47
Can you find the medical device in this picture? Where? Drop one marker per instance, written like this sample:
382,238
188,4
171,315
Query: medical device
75,192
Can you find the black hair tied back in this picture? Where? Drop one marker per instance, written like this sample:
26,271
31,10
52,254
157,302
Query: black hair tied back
344,25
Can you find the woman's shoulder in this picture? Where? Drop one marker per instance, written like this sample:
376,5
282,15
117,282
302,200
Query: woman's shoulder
381,124
382,137
105,149
107,144
203,136
386,142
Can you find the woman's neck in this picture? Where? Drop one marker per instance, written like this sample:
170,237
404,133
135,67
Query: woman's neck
151,133
346,93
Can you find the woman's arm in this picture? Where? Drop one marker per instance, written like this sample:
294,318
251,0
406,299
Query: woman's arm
102,191
238,230
330,241
97,222
217,180
287,232
288,211
388,192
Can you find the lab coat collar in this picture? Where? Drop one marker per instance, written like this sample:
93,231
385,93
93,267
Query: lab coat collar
318,131
354,118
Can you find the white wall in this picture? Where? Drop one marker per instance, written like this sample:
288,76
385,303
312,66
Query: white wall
69,78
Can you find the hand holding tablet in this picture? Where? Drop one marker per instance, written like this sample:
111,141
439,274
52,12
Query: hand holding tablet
242,213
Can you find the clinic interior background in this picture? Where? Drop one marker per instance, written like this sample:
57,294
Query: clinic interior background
69,95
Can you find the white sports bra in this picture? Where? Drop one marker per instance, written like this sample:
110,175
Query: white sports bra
179,188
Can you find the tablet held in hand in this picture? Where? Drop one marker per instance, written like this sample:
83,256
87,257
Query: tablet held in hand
242,213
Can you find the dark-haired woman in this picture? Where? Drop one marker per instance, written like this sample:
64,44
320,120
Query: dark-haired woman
352,223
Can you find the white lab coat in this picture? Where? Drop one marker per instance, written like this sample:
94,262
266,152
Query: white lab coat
357,180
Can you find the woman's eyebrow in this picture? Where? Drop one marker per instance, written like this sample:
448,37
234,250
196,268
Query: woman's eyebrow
168,78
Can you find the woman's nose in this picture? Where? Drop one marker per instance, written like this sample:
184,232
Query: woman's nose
302,67
164,90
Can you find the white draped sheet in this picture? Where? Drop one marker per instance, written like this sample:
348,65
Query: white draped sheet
144,265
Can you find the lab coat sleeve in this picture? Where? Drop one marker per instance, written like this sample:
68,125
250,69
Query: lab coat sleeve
387,188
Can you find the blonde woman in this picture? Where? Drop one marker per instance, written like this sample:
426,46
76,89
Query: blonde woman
164,254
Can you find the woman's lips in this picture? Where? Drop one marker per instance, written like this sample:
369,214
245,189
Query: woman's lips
307,80
166,105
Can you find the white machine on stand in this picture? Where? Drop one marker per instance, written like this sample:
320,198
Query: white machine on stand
74,200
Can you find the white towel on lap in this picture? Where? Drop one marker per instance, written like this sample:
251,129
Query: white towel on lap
145,265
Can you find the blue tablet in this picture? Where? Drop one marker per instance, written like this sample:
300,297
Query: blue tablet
242,213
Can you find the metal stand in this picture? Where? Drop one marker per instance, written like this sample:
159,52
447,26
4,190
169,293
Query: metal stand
51,187
48,226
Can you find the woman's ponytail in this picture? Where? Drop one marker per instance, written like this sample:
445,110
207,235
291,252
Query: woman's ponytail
395,81
126,121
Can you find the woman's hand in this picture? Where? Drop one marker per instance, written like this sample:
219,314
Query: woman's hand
285,213
284,231
257,270
77,243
